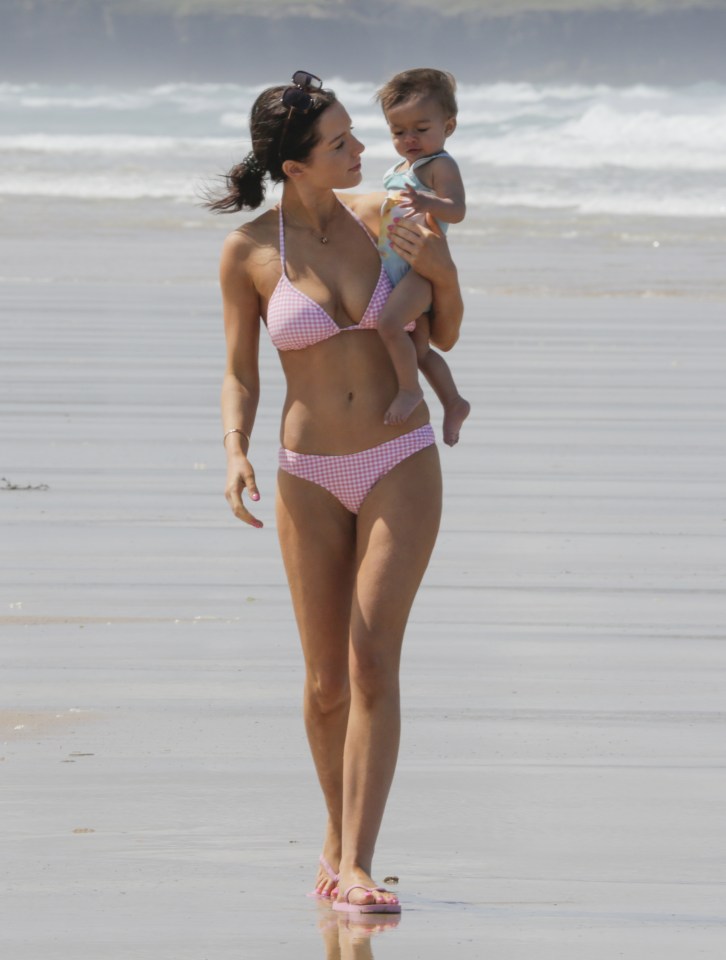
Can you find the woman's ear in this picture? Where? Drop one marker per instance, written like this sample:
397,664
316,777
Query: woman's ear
292,169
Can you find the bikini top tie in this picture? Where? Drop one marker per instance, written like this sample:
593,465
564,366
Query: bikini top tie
296,321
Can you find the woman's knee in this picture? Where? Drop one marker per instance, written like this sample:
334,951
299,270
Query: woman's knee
373,677
327,690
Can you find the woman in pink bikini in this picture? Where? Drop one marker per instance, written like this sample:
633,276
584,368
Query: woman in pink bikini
358,501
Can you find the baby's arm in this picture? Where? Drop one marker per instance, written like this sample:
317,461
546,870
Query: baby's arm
443,177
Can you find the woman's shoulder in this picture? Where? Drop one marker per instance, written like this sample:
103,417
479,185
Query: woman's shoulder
257,234
246,262
366,206
249,244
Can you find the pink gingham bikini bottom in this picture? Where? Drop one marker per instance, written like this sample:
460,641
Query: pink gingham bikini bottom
351,476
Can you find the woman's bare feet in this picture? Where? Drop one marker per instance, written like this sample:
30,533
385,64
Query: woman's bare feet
454,415
326,882
358,889
405,402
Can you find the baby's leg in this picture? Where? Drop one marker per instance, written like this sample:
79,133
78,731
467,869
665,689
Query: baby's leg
437,372
409,299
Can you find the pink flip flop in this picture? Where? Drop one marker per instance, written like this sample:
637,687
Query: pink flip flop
332,876
345,906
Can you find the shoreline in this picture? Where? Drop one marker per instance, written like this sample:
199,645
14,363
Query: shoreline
500,252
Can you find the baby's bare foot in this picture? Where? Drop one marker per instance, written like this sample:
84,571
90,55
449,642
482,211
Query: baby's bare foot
454,415
403,406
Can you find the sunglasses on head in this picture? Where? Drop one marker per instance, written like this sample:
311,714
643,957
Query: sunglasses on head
297,98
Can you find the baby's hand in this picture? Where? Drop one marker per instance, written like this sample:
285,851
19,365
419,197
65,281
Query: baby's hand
413,202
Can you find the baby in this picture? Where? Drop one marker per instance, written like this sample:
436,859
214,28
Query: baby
420,109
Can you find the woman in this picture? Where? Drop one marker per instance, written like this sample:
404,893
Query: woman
358,502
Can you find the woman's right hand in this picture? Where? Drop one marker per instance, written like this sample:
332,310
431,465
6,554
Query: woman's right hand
423,247
425,250
241,477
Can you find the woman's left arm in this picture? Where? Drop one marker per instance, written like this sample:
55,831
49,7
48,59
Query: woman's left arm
425,249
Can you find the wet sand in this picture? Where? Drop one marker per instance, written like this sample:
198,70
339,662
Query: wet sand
562,778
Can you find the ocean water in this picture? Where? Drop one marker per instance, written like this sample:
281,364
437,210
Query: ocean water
571,189
579,150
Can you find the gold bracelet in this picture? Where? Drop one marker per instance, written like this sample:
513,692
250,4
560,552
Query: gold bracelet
236,430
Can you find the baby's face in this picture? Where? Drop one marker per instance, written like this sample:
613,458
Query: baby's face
419,128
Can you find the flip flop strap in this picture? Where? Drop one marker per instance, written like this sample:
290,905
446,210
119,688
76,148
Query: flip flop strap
359,886
332,875
356,886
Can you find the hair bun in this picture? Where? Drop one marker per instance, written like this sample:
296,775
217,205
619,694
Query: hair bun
253,166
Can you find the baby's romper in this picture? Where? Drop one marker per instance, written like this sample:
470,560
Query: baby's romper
394,181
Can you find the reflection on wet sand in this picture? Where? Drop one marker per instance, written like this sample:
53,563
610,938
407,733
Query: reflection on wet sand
349,936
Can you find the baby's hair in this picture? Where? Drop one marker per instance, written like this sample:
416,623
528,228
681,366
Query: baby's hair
422,81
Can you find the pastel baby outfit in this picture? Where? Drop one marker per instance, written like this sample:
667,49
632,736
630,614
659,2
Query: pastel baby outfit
394,181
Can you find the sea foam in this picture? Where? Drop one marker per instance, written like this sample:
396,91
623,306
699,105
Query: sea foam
640,149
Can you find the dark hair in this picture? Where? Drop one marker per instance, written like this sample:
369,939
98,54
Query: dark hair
421,82
278,134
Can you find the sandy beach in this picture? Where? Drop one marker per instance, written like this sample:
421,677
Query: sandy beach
562,777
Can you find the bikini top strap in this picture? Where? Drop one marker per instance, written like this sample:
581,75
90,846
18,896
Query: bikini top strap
353,214
363,227
282,239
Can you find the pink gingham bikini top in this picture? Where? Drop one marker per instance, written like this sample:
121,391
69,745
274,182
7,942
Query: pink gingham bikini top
296,321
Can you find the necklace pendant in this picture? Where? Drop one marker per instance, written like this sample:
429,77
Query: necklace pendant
323,239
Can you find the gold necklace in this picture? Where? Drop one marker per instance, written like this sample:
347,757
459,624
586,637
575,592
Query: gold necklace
321,238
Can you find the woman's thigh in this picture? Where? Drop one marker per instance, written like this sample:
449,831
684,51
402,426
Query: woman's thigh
317,540
397,528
